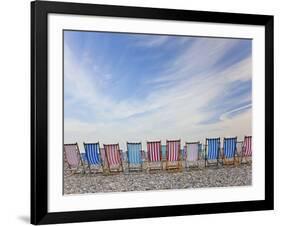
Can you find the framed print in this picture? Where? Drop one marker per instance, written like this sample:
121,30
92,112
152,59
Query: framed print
144,112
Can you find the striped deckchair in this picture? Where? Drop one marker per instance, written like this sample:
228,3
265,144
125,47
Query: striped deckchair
113,156
134,156
73,159
247,149
229,152
173,160
92,151
154,155
192,154
212,151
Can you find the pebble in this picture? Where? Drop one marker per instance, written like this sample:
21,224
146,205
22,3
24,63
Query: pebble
222,176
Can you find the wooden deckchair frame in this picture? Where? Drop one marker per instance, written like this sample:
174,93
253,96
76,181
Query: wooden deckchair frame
178,166
120,168
80,160
101,161
207,163
226,161
185,157
130,169
242,153
149,168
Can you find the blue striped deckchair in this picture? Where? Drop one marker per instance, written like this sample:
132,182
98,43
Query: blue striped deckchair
229,150
212,151
134,156
92,151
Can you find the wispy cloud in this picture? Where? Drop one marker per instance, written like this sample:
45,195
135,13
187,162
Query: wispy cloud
192,92
151,40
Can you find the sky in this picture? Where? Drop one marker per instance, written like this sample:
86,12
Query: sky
122,87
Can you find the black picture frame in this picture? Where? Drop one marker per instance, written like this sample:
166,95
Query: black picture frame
39,112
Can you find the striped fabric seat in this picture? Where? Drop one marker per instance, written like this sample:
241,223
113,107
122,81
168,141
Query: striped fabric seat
192,151
213,147
73,159
173,150
113,155
247,146
93,153
134,153
154,151
72,155
229,147
173,154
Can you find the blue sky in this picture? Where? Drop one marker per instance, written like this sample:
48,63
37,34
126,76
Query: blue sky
122,87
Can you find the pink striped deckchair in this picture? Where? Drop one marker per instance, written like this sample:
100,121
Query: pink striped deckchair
192,154
154,155
173,155
113,156
72,158
247,149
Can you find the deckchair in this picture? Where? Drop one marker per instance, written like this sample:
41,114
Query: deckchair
92,151
192,154
229,152
73,159
212,151
113,156
173,161
154,156
134,156
247,149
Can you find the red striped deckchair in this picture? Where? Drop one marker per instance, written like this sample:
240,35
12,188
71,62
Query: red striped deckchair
173,155
247,149
154,155
72,158
113,156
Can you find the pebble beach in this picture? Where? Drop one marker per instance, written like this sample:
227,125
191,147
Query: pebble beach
214,176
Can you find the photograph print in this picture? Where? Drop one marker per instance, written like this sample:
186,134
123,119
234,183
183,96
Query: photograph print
147,112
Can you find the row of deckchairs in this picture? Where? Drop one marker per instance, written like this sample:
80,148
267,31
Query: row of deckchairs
110,157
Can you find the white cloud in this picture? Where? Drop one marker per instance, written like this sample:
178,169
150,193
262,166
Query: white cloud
167,113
